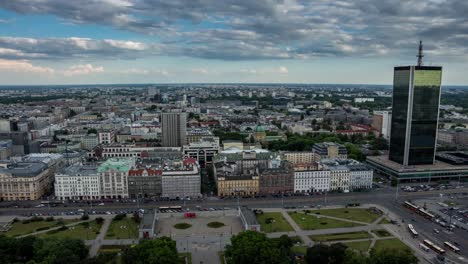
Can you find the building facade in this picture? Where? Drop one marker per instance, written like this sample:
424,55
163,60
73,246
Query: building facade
416,99
78,182
310,181
330,150
174,126
381,121
114,177
203,150
300,157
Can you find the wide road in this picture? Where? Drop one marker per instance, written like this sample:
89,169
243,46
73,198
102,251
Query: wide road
383,196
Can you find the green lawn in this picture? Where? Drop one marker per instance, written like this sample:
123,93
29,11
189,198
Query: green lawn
381,233
299,249
362,246
356,214
186,255
126,228
85,231
390,244
341,236
311,222
279,224
18,228
384,221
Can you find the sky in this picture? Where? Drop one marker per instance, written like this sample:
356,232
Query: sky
228,41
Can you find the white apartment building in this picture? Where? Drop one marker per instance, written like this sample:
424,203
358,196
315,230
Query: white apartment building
339,178
360,177
312,181
78,182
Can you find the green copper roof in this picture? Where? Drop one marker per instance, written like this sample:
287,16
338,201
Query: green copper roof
122,165
259,128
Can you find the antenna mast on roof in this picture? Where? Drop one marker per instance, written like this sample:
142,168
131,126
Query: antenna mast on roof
420,54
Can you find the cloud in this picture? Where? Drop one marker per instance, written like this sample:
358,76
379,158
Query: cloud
279,70
73,47
22,66
252,30
82,69
283,70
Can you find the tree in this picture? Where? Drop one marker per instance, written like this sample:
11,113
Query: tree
92,131
392,256
318,254
254,247
60,250
158,251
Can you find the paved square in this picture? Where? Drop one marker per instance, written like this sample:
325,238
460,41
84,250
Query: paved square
166,222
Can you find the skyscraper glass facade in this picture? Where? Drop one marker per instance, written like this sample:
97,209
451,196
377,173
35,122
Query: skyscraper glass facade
401,85
426,93
416,94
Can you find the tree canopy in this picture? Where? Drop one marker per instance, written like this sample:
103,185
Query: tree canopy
254,247
157,251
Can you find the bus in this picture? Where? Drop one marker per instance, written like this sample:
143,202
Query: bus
175,208
433,246
410,206
412,231
451,247
425,214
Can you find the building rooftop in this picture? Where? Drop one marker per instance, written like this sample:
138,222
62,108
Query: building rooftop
80,170
119,164
437,166
24,169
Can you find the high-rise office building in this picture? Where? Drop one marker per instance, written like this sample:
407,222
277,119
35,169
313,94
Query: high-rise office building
174,126
416,99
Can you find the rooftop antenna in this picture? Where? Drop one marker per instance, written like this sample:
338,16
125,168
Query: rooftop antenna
420,54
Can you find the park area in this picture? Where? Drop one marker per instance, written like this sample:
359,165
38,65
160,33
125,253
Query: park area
36,224
312,222
340,236
355,214
122,227
85,231
273,222
393,243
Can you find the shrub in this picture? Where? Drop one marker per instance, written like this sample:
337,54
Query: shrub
84,217
37,219
99,220
50,219
119,217
62,228
215,224
26,221
182,225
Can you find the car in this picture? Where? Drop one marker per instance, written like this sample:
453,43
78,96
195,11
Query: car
437,231
101,204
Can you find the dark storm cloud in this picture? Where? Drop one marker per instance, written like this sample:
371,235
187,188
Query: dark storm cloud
268,29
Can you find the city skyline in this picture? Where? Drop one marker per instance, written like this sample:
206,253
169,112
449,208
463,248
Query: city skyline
117,41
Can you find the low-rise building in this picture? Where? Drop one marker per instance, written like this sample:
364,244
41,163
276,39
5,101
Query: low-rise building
29,179
114,177
298,157
330,150
203,150
78,182
182,180
310,181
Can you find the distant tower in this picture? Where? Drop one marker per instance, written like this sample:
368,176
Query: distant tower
173,127
420,54
415,113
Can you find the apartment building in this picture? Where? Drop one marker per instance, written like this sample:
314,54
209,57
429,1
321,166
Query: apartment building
78,182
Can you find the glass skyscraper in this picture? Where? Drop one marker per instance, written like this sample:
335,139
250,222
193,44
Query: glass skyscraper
415,114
